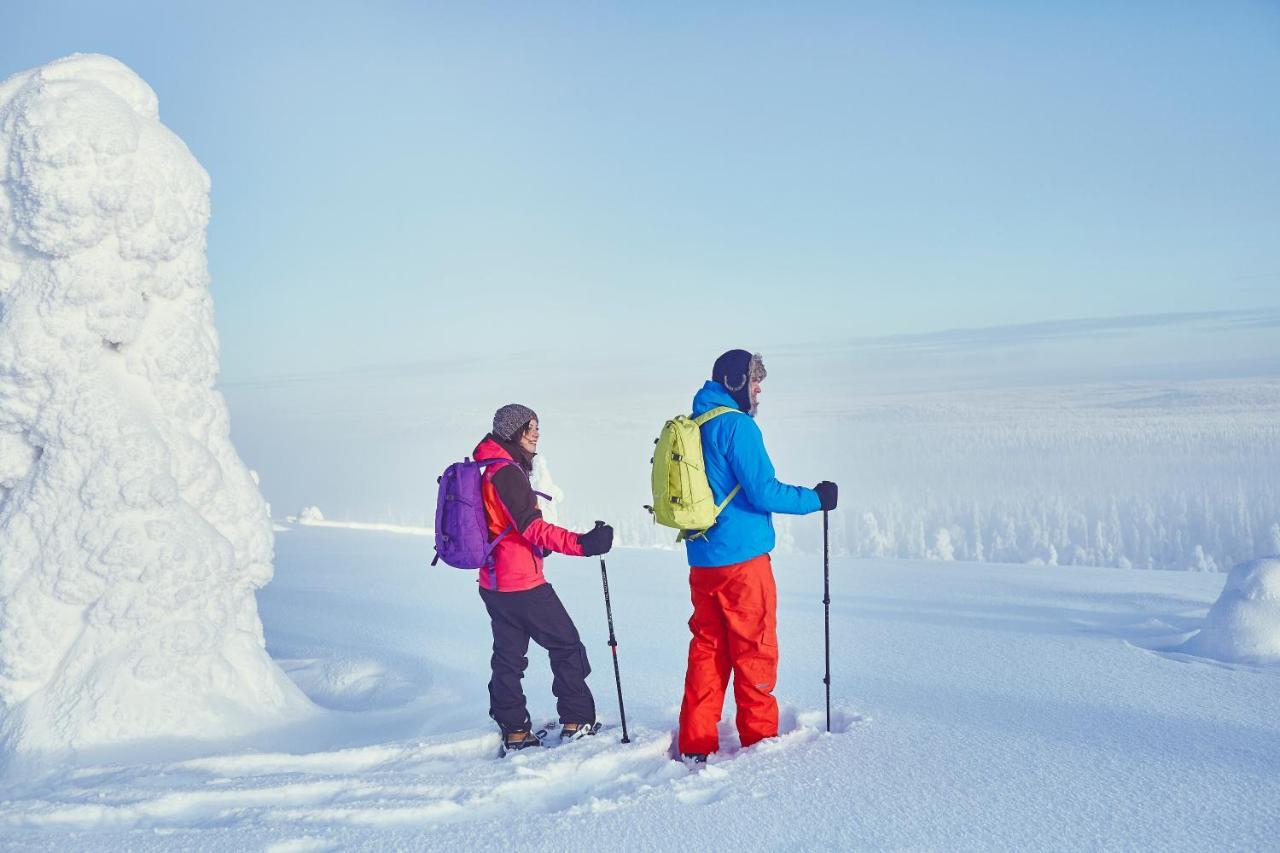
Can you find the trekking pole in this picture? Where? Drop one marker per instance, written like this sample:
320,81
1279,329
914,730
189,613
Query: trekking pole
826,605
613,647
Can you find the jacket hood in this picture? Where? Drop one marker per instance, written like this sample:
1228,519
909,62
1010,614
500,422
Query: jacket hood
710,395
492,447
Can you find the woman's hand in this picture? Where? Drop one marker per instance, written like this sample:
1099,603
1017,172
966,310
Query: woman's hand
596,541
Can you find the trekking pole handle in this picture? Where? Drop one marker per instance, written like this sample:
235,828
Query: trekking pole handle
608,608
604,577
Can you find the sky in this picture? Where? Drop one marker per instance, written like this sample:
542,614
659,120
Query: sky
433,209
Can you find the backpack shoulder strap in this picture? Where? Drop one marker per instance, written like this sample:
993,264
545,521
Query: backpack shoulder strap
712,414
492,465
488,551
686,535
497,462
704,418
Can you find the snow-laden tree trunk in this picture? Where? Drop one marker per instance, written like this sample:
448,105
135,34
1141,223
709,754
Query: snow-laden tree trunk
132,537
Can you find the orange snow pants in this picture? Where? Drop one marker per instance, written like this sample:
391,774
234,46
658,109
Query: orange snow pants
735,628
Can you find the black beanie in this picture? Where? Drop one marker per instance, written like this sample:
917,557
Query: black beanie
732,370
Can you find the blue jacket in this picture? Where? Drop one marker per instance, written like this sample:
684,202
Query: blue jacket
733,452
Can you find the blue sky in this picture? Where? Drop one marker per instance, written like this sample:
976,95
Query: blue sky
778,173
423,211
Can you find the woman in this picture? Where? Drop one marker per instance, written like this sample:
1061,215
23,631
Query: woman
522,605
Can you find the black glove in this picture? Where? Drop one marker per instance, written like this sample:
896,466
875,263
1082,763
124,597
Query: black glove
596,541
827,494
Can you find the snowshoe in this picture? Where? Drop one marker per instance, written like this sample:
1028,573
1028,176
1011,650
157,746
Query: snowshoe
519,739
576,731
694,760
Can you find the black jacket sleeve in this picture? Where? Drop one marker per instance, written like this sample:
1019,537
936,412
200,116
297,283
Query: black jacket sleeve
517,495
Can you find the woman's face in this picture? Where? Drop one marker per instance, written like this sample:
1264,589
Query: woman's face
529,438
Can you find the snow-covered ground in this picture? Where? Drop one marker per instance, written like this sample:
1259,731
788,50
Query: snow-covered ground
976,706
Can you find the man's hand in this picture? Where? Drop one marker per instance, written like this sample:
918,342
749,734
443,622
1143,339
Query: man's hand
828,493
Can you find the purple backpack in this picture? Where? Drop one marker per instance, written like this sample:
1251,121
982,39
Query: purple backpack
462,530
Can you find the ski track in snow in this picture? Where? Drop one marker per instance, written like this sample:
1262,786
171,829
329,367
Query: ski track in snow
974,707
454,778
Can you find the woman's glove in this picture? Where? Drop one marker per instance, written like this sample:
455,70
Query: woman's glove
596,541
827,494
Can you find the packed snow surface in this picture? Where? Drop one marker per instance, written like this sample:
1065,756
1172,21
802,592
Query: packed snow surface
975,707
132,538
1244,623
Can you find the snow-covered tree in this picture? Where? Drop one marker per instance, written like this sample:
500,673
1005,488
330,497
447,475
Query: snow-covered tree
132,537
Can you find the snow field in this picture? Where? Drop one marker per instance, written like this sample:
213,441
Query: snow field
977,707
1148,475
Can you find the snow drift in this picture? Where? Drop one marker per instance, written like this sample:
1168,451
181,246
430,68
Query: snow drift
132,537
1244,623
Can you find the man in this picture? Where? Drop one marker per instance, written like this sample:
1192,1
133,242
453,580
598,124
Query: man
522,606
734,620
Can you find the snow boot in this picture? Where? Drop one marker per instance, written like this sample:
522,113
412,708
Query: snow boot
518,739
576,731
694,760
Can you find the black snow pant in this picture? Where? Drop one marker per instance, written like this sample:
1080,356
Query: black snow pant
535,614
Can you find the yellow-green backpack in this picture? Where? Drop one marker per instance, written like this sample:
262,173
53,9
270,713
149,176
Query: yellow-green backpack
682,496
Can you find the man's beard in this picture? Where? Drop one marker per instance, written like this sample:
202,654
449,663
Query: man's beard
755,375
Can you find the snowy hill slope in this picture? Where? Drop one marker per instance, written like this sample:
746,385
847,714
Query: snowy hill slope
978,706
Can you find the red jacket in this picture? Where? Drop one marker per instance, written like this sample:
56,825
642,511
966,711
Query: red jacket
509,503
